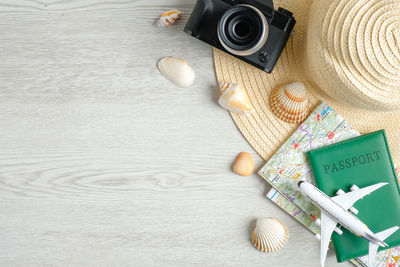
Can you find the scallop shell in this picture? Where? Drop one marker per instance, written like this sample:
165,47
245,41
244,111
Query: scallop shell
176,70
168,18
269,235
244,164
290,102
235,98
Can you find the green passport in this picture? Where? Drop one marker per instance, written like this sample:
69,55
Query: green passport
363,161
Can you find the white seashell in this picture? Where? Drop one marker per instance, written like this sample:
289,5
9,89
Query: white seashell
168,18
290,102
235,98
176,70
269,235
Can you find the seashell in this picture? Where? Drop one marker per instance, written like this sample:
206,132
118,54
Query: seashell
244,164
290,102
269,235
168,18
176,70
235,98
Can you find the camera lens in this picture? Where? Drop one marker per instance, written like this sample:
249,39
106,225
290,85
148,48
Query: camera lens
242,30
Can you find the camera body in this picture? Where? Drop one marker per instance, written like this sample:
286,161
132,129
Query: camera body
250,30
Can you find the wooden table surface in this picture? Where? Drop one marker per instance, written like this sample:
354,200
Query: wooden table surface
103,162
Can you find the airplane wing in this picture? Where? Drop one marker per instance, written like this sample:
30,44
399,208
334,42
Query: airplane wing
327,227
373,248
348,199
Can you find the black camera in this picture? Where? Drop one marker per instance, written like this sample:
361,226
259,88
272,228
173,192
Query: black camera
250,30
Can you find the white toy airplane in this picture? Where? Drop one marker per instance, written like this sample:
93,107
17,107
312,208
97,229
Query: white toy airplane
334,210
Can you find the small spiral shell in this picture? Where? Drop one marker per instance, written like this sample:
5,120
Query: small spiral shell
235,98
168,18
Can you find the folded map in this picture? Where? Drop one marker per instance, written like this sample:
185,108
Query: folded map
323,127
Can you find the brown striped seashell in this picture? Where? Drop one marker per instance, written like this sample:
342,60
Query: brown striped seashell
269,235
290,102
235,98
244,164
168,18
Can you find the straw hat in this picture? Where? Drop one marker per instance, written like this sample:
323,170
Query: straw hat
346,52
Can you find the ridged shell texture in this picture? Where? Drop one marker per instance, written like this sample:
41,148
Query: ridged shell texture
290,102
269,235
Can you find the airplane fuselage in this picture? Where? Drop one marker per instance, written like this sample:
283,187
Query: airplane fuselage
335,211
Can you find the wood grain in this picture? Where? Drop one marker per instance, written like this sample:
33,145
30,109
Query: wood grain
103,162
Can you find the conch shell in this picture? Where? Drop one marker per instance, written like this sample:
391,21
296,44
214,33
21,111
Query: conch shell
269,235
244,164
176,70
168,18
290,102
235,98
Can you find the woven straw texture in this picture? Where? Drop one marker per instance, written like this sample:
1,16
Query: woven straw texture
358,75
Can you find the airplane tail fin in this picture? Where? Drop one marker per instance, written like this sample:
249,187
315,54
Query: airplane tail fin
373,248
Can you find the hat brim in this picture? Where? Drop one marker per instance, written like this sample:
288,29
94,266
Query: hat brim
264,131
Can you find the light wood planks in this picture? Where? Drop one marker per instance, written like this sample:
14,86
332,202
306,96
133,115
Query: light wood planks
105,163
